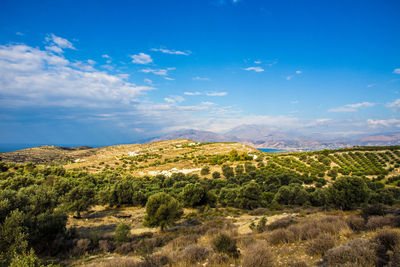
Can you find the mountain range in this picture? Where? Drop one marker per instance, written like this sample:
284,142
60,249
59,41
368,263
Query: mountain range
260,136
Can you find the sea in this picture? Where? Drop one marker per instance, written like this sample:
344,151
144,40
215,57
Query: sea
271,150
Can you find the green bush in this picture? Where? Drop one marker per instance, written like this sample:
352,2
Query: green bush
122,233
223,243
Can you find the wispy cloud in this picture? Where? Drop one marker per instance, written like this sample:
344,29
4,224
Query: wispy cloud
171,52
256,69
383,123
289,77
198,78
141,58
395,105
397,71
192,93
299,72
352,107
174,99
58,41
216,94
161,72
19,34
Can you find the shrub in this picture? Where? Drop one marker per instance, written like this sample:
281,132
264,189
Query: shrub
185,240
375,222
356,223
205,170
281,223
387,240
261,226
81,247
105,246
122,233
358,252
321,244
216,175
223,243
124,248
26,260
280,236
193,254
162,210
258,255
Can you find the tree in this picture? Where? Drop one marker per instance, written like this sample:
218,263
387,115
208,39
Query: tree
79,199
193,195
205,170
348,192
122,233
216,175
249,196
162,210
227,171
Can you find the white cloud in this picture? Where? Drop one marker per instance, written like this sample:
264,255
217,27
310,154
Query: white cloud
397,71
141,58
105,56
58,41
197,78
288,78
171,52
169,78
352,107
216,94
256,69
371,85
192,93
54,48
294,102
174,99
299,72
161,72
207,103
148,81
395,105
33,77
257,62
383,123
19,34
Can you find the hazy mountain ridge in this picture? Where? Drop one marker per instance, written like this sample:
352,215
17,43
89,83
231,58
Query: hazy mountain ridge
261,137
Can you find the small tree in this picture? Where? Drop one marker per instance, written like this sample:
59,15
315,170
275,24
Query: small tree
122,233
205,170
216,175
79,198
162,210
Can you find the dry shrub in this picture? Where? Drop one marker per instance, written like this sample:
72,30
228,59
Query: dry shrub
309,231
387,241
395,259
258,211
356,223
218,259
194,254
299,263
154,261
146,246
116,262
321,244
124,248
280,236
357,252
331,224
185,240
245,240
226,244
375,222
81,247
281,223
106,246
258,255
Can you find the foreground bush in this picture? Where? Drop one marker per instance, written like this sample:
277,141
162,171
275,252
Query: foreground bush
321,244
162,210
122,233
223,243
258,255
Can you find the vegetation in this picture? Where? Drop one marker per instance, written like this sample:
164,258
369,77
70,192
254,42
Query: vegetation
360,185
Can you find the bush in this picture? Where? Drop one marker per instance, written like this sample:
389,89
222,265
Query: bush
216,175
358,252
387,240
225,244
261,226
105,246
205,170
258,255
321,244
81,247
162,210
356,223
281,223
280,236
375,222
185,241
194,254
122,233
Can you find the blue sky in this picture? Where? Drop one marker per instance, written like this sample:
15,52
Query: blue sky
108,72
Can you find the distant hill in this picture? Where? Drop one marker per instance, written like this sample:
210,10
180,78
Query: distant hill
260,136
